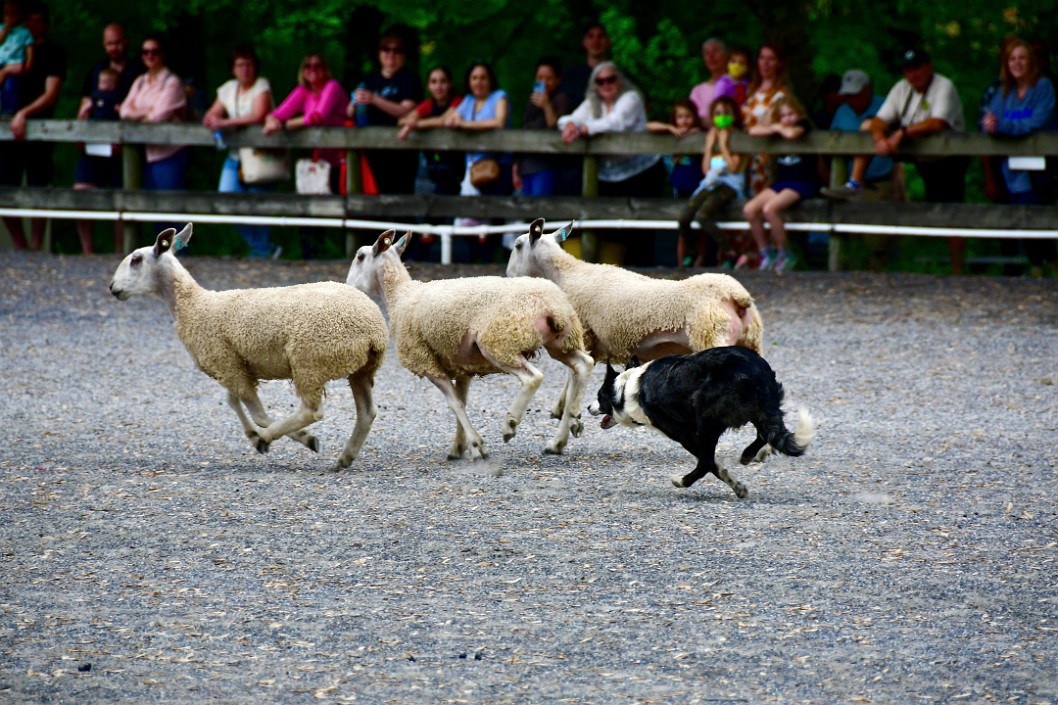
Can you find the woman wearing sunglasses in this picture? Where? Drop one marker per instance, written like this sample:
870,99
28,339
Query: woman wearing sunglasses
613,105
317,101
158,96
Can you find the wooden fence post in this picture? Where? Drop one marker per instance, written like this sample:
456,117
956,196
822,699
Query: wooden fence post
838,177
354,184
132,180
589,241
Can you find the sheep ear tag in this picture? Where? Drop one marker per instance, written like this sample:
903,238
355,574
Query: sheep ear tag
383,243
402,243
565,232
164,241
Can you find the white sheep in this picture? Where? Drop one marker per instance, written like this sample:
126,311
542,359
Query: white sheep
309,333
452,330
627,314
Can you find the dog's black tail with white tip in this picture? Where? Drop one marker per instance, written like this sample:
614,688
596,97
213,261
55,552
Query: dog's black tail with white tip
792,444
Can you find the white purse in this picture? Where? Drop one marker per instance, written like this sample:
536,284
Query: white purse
312,177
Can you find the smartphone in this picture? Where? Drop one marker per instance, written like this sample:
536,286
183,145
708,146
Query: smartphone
539,87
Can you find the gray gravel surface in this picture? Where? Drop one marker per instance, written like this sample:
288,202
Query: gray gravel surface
148,554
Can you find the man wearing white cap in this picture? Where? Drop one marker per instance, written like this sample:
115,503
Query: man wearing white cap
921,103
860,103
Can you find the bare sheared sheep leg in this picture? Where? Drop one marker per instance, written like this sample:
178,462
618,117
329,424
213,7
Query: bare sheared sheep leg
459,442
305,415
531,379
580,365
560,403
477,444
263,420
365,416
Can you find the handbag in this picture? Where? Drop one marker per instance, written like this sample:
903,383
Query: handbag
263,166
484,172
312,177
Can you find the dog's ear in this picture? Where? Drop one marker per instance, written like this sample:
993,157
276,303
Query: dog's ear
611,373
633,362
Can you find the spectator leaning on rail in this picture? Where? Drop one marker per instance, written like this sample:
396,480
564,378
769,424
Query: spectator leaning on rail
612,105
389,94
860,103
922,103
99,170
1024,104
39,88
242,101
157,96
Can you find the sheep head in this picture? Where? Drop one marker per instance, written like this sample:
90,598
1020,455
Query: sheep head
532,249
137,273
366,268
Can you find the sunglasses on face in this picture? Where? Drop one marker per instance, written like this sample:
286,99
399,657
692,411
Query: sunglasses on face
152,52
605,80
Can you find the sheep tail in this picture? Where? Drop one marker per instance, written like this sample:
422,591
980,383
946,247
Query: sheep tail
792,444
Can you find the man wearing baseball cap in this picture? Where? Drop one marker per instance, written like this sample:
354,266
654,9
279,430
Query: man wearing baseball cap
860,104
922,103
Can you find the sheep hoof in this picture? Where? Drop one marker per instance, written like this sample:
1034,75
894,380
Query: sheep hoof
510,428
313,444
576,427
262,446
554,449
453,455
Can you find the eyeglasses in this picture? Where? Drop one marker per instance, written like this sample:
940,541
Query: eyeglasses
605,80
391,50
152,52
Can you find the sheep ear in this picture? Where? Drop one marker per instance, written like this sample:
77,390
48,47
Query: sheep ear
565,232
183,238
383,242
536,229
164,242
403,242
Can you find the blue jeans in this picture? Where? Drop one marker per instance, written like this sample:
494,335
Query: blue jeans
256,236
169,174
542,183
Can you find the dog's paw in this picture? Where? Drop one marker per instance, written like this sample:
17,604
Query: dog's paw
740,490
677,481
764,453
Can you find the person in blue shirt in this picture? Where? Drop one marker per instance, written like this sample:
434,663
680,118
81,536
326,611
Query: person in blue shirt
860,103
1025,104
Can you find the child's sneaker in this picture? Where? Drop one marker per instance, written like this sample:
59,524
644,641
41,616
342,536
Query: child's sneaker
785,262
851,189
767,261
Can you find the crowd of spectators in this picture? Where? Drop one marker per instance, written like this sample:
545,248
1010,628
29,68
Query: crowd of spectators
742,90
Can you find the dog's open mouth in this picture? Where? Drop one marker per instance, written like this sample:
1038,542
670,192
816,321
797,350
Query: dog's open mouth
607,421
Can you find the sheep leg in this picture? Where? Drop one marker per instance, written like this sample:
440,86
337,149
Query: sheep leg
560,404
459,442
365,416
476,443
262,419
531,378
306,414
580,366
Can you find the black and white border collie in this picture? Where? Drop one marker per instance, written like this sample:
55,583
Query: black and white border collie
693,399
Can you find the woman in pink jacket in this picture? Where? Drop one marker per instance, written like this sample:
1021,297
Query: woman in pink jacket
158,96
317,101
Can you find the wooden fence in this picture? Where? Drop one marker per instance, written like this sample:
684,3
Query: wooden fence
838,218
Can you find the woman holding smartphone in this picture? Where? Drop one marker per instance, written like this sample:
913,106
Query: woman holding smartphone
536,174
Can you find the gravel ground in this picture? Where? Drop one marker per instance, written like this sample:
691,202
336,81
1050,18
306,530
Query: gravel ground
148,554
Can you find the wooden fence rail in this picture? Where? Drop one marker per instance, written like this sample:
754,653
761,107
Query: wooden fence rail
827,214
